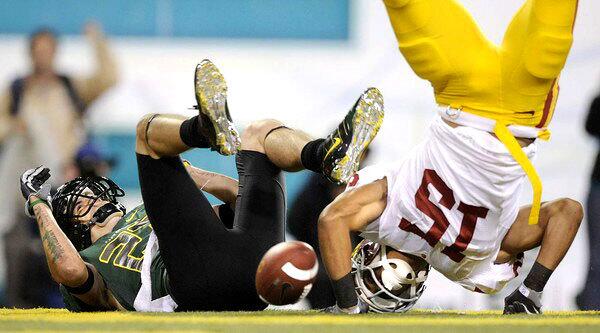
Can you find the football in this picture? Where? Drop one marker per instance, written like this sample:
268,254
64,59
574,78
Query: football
286,273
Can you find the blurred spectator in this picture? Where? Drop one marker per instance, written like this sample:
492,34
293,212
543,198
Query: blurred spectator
89,161
41,123
40,115
589,298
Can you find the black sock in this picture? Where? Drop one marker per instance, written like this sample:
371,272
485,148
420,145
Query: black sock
312,155
190,133
343,289
537,277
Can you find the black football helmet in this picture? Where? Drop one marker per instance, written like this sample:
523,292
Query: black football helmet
94,188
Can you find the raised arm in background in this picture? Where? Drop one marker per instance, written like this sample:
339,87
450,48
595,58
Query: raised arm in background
105,75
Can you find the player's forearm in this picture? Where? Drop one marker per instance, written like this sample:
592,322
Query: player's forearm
335,245
336,248
222,187
65,264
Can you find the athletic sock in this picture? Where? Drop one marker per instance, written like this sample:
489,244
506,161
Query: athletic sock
312,155
343,289
190,133
537,277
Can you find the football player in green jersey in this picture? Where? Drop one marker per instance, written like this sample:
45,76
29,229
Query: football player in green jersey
176,251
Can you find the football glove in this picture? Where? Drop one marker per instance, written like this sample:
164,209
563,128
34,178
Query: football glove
35,182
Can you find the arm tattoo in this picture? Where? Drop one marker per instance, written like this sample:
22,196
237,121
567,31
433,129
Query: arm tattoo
53,245
48,237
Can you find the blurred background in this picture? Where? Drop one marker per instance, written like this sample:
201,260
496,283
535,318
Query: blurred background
301,61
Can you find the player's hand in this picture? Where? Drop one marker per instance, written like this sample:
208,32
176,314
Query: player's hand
34,182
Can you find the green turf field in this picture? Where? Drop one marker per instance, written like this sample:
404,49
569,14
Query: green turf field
292,322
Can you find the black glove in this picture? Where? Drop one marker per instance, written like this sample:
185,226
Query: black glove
34,182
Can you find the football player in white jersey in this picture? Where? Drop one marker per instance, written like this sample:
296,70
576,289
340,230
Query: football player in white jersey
412,218
453,202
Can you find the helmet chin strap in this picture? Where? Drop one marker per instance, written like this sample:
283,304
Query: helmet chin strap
82,233
106,211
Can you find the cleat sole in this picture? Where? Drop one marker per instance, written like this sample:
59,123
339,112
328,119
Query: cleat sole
367,120
211,96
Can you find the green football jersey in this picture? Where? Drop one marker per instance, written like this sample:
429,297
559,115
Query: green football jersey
119,256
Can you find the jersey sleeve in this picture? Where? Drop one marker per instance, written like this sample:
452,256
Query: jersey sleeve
74,304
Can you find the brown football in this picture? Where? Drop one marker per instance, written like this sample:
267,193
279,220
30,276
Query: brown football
286,273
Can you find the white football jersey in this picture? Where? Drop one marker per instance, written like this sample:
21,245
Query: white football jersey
451,201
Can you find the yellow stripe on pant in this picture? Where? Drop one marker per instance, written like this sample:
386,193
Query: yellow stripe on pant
510,142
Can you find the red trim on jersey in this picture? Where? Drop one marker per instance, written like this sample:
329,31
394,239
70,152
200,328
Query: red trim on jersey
547,106
551,97
353,181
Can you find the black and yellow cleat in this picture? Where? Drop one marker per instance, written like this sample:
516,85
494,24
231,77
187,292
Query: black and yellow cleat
346,145
211,96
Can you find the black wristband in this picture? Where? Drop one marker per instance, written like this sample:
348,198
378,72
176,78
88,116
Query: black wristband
344,292
85,287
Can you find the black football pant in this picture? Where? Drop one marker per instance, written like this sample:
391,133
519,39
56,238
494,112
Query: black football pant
209,266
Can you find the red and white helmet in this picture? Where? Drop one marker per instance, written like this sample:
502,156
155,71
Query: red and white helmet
385,284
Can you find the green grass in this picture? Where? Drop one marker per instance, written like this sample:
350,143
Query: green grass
292,322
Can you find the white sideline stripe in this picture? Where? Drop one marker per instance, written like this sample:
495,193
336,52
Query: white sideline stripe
300,274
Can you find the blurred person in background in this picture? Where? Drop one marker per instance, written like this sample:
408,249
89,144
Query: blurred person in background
29,283
589,298
41,123
90,161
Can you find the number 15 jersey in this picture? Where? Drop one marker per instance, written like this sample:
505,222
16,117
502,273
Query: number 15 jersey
451,202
